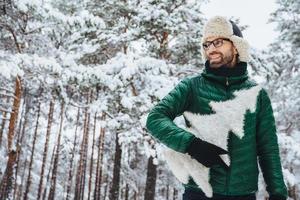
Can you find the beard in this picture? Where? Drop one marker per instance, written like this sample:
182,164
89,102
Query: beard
218,59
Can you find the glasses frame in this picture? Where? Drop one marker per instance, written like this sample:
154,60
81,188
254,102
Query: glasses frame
206,45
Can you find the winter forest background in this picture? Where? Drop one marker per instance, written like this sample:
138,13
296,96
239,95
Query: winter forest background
78,78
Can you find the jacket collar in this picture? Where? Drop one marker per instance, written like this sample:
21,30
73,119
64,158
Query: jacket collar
226,76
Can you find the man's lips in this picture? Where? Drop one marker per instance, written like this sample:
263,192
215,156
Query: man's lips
214,56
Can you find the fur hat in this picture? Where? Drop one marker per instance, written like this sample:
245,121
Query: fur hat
219,26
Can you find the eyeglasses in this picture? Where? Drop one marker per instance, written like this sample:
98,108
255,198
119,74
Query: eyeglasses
217,43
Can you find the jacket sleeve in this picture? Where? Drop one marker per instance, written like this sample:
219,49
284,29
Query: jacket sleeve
267,147
160,119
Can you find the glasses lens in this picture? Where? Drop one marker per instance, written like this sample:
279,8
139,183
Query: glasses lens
206,45
218,42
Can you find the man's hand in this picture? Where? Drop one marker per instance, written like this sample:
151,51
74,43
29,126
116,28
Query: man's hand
206,153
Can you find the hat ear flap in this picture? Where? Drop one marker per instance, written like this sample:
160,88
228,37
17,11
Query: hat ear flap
242,47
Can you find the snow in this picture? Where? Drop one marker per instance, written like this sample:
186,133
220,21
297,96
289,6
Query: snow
57,62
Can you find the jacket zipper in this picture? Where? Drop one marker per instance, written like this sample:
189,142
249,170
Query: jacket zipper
229,169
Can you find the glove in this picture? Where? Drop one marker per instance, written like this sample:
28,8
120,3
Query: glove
277,197
206,153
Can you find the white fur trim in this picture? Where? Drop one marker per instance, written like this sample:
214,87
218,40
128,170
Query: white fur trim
242,47
219,26
214,128
183,166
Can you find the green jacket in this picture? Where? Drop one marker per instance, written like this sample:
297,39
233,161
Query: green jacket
260,141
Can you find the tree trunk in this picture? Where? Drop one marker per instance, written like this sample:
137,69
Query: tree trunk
97,189
3,123
92,161
79,172
2,127
85,157
19,192
32,154
163,54
45,152
49,173
114,190
168,188
69,184
151,180
175,193
126,192
7,180
56,159
14,114
80,176
106,187
21,133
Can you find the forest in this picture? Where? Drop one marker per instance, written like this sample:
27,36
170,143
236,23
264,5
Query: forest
78,79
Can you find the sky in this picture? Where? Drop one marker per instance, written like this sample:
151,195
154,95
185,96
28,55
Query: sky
254,13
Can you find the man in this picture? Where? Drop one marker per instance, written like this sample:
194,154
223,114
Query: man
211,97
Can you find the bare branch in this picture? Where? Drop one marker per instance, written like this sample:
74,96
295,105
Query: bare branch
7,90
11,30
4,118
8,95
5,110
78,105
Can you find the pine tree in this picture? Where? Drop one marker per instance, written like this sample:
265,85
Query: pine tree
98,178
283,86
114,190
29,181
92,159
51,195
46,146
7,180
70,175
